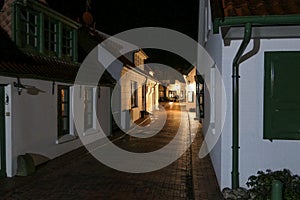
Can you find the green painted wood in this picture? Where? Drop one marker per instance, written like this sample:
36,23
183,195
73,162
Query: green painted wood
282,96
256,21
60,43
235,106
41,34
43,12
277,188
16,25
2,134
75,45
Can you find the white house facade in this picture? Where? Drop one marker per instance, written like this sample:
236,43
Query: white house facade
37,73
136,94
257,151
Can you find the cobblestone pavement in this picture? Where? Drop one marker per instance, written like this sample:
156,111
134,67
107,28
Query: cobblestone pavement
78,175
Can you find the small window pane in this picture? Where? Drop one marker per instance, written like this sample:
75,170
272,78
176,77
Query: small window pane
67,42
63,110
28,29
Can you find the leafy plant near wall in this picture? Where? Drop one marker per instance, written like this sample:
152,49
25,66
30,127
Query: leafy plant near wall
261,185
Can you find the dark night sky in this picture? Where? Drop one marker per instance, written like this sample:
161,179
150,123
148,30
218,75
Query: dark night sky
115,16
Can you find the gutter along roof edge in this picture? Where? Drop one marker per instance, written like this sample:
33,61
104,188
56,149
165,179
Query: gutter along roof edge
266,20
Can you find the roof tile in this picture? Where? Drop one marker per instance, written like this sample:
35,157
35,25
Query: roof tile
231,8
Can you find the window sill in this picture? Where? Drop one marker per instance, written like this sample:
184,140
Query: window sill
90,132
66,138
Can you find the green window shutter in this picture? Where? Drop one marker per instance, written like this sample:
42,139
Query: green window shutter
41,33
75,45
281,95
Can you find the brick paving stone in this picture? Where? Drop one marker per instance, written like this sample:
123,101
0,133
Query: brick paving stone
78,175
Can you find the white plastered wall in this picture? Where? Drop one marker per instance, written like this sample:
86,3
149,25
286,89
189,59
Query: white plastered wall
31,126
213,48
255,152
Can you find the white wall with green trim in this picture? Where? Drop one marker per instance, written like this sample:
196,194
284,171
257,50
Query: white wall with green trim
255,152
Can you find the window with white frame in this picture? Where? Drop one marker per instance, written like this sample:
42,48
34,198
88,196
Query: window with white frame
89,108
65,122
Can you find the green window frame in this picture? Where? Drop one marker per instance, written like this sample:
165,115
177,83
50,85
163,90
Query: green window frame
281,95
39,30
29,29
67,42
63,110
50,37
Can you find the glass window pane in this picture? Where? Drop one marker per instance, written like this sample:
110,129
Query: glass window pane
63,110
89,108
28,29
65,124
51,34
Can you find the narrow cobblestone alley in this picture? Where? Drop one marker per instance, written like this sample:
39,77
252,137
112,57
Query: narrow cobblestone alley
78,175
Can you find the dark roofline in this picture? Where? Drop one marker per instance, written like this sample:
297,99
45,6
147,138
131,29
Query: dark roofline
39,67
34,76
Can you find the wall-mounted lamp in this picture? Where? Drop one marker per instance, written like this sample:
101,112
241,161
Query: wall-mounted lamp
19,86
32,90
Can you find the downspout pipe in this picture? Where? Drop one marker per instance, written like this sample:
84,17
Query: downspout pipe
235,103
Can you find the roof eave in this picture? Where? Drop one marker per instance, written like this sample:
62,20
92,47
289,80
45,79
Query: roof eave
269,26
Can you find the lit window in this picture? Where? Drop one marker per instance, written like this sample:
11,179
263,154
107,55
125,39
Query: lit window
63,110
172,94
138,61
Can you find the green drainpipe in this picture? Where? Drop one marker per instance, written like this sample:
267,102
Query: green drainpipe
276,190
235,103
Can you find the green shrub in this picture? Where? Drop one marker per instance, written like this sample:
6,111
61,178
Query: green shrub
261,185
